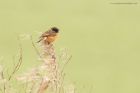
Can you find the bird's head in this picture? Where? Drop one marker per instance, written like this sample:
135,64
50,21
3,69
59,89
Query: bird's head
55,29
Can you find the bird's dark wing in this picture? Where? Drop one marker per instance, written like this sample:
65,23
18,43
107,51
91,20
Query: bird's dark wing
45,34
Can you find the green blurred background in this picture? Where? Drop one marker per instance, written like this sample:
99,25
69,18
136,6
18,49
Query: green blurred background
103,38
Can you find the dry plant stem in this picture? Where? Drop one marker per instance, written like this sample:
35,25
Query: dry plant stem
61,85
38,53
43,86
55,73
17,66
26,86
4,88
32,87
2,74
65,64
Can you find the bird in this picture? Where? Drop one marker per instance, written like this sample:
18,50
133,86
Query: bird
49,36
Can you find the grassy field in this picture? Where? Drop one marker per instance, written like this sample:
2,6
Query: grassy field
103,39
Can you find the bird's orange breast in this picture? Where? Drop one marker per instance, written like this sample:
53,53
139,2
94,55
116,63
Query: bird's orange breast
51,39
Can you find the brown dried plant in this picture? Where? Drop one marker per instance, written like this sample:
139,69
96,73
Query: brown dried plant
45,78
5,81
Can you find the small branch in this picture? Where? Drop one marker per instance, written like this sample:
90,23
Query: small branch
66,63
2,76
32,87
26,86
43,86
17,66
2,89
62,81
38,53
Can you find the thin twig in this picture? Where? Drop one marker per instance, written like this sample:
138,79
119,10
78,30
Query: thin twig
62,81
17,66
2,76
66,64
38,53
32,87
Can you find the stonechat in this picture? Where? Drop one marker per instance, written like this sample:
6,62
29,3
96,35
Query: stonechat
49,36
